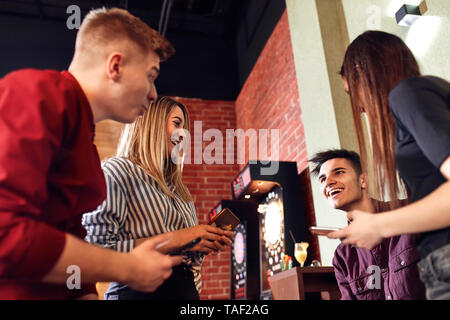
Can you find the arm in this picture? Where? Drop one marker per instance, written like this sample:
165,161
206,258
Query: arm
29,140
411,219
103,224
31,249
422,109
143,269
213,239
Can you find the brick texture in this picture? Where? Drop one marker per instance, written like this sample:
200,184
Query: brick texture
270,100
210,183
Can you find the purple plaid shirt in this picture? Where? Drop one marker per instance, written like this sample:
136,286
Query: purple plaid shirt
394,260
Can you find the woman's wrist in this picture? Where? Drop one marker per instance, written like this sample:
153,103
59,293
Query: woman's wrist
381,224
198,232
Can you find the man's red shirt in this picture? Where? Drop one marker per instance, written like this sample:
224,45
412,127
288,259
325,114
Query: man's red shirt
50,175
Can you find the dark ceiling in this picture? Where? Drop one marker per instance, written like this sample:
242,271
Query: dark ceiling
217,41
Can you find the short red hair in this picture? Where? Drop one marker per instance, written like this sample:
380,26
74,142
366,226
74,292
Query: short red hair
103,26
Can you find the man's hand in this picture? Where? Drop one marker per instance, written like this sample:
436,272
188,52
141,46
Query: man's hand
362,231
148,268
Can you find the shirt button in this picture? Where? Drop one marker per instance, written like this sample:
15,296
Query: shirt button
359,289
402,263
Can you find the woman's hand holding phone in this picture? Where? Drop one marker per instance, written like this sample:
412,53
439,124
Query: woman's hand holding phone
213,239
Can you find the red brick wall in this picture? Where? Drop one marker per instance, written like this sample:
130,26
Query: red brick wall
270,99
208,185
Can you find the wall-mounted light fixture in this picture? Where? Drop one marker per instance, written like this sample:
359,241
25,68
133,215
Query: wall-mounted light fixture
408,14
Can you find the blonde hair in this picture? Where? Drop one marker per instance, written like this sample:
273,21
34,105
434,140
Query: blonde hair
144,142
103,27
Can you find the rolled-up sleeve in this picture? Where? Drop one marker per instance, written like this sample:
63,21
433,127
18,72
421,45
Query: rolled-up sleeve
104,224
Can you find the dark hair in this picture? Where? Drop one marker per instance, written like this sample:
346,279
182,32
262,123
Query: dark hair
321,157
375,62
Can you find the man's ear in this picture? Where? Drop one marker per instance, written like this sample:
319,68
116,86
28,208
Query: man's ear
114,66
363,180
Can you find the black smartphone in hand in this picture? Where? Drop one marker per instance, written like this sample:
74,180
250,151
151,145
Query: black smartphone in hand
183,249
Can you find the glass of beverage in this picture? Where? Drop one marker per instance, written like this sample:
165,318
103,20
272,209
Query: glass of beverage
300,252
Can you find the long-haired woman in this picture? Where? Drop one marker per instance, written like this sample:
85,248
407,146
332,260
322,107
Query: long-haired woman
409,119
146,197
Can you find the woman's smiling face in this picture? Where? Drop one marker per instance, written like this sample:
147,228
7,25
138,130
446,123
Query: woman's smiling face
175,121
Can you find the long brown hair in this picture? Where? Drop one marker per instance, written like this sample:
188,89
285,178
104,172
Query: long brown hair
144,142
374,63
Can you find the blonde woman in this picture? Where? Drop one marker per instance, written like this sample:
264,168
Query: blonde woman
146,197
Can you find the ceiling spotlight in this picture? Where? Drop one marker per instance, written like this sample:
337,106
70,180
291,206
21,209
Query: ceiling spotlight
408,14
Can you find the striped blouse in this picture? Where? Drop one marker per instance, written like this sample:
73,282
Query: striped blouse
135,207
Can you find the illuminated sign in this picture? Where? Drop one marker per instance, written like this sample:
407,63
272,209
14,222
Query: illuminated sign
239,262
272,236
241,182
214,212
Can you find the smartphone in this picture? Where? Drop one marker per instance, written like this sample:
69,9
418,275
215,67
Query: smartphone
322,231
225,220
183,249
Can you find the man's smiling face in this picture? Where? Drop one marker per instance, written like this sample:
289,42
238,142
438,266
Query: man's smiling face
340,183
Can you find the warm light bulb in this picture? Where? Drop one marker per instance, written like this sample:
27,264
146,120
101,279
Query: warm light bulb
421,35
272,223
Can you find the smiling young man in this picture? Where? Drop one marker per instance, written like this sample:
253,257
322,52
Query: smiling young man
389,270
50,171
